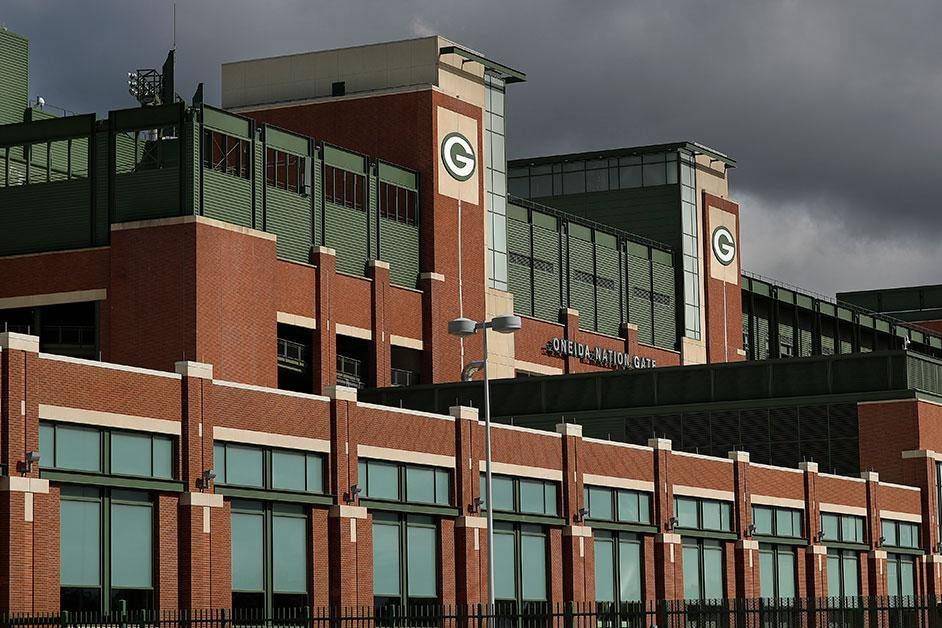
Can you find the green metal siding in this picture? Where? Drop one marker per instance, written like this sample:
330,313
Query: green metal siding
665,323
608,289
14,77
288,216
227,197
147,194
546,273
45,216
581,273
345,232
400,245
519,265
640,308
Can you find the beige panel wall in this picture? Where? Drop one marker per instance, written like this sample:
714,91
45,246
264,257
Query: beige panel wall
500,347
448,122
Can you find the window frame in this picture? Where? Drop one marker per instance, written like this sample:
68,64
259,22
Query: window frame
774,512
726,508
614,495
897,526
517,502
403,522
699,543
402,488
226,154
105,450
267,485
519,531
358,187
777,549
840,519
616,537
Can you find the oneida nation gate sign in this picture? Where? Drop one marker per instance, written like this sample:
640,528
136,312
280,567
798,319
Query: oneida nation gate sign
597,356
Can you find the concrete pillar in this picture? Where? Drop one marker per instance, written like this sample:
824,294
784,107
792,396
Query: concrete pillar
578,556
324,358
351,556
380,352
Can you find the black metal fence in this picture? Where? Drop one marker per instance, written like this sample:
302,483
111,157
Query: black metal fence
861,612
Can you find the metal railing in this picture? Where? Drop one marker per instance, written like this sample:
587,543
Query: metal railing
349,372
292,354
403,377
857,612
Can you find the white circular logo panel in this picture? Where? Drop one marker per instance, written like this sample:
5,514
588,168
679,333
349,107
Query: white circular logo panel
724,246
458,156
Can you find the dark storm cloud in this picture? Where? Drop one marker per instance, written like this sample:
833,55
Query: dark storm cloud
831,108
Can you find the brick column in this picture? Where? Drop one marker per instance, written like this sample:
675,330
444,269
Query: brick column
747,550
471,525
569,318
436,341
578,557
816,576
668,557
349,526
629,331
29,565
204,549
876,557
324,343
919,469
380,352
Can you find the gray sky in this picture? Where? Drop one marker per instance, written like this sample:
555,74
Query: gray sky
831,108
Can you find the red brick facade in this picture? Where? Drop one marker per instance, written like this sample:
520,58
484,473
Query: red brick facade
193,552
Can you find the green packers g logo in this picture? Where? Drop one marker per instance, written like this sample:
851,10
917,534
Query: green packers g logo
724,246
458,156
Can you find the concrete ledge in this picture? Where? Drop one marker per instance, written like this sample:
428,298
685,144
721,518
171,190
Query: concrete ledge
577,531
353,331
464,412
568,311
10,340
741,353
739,456
870,476
182,220
405,342
629,327
297,320
820,550
378,263
668,537
341,393
877,554
54,298
932,558
200,370
920,453
324,250
569,429
17,484
433,276
468,521
810,467
660,443
343,511
210,500
749,544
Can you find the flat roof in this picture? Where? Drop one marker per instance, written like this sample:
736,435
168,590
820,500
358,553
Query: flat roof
694,147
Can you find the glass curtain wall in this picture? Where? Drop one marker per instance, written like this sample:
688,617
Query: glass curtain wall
495,181
690,244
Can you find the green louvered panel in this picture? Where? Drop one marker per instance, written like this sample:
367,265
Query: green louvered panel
762,335
400,245
261,183
581,281
519,265
640,308
191,164
608,286
102,212
14,76
748,341
546,274
827,344
345,232
846,344
372,215
317,189
665,325
124,152
45,217
227,197
786,336
288,216
146,194
805,341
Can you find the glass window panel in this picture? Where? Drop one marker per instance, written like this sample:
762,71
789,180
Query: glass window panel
830,527
597,180
533,566
834,574
691,556
629,177
573,182
79,545
78,448
784,523
420,485
315,473
421,557
726,516
786,572
600,504
505,563
247,551
628,506
712,571
762,519
892,577
550,498
520,187
888,530
442,487
711,515
629,565
644,508
531,496
848,529
850,575
288,470
131,454
47,442
540,186
219,462
686,512
766,572
672,173
604,569
906,538
503,488
131,545
163,457
383,480
907,577
654,174
243,466
386,558
859,529
289,554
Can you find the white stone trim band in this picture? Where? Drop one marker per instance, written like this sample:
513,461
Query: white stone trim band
405,342
911,517
842,509
404,455
705,493
540,473
297,320
54,298
108,419
283,441
783,502
354,332
613,482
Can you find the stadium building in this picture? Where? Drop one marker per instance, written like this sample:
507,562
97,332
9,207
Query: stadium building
227,380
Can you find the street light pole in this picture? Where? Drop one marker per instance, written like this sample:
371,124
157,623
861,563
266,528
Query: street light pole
463,328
